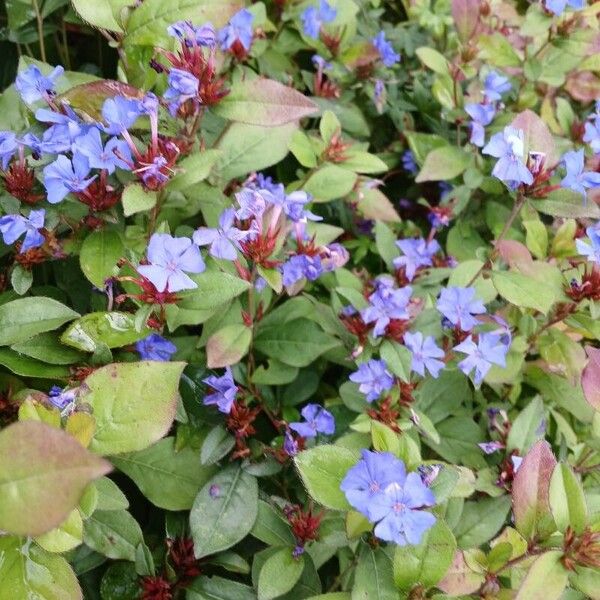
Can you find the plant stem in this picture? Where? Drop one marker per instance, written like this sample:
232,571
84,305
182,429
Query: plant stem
40,29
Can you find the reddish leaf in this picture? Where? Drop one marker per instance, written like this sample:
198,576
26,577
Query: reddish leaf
460,579
590,379
583,86
537,136
466,17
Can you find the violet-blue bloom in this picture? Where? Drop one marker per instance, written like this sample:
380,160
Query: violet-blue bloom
388,55
313,18
61,398
224,391
368,478
592,250
301,266
32,85
386,303
408,162
373,379
320,63
115,154
120,113
8,147
183,86
12,227
239,29
290,445
425,354
576,178
495,85
63,176
190,34
316,420
170,259
558,6
400,513
253,202
225,240
508,147
482,115
489,350
491,447
65,129
458,305
155,347
294,207
592,134
417,252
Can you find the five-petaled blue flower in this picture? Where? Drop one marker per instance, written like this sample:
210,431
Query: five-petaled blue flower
388,55
386,303
225,240
155,347
63,176
508,147
8,147
558,6
301,266
224,391
239,29
373,378
33,85
190,34
12,227
591,251
183,86
417,252
313,18
459,305
489,350
115,153
576,178
316,420
120,113
170,258
425,354
495,85
482,115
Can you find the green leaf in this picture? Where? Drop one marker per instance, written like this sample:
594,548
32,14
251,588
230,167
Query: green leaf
398,359
566,203
384,439
224,511
136,199
279,574
249,148
422,144
329,126
427,562
68,535
24,318
587,581
374,204
498,51
443,163
432,59
170,479
264,102
103,14
99,254
28,571
228,345
523,291
301,147
330,182
215,288
270,527
373,578
46,470
481,521
47,348
217,588
111,329
567,500
528,427
110,496
133,403
113,533
218,443
546,578
277,373
196,167
28,367
322,469
21,279
363,162
385,240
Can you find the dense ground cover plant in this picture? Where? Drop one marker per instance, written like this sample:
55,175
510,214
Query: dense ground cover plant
300,301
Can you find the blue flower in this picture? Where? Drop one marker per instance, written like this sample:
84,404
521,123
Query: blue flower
32,85
8,147
12,227
592,134
379,94
386,51
408,162
313,18
115,154
459,305
399,510
190,35
253,202
294,206
373,473
417,253
576,178
290,445
61,399
301,266
489,350
321,63
223,241
183,86
224,391
482,115
558,6
495,85
591,251
373,379
508,147
239,29
120,113
63,176
386,303
170,258
425,354
65,129
316,420
155,347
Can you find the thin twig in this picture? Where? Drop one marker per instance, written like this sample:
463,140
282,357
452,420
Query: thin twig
40,29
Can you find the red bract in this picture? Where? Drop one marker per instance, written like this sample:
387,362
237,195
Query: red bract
582,550
259,248
156,588
589,288
335,152
154,168
19,180
386,414
99,195
181,557
239,422
305,525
